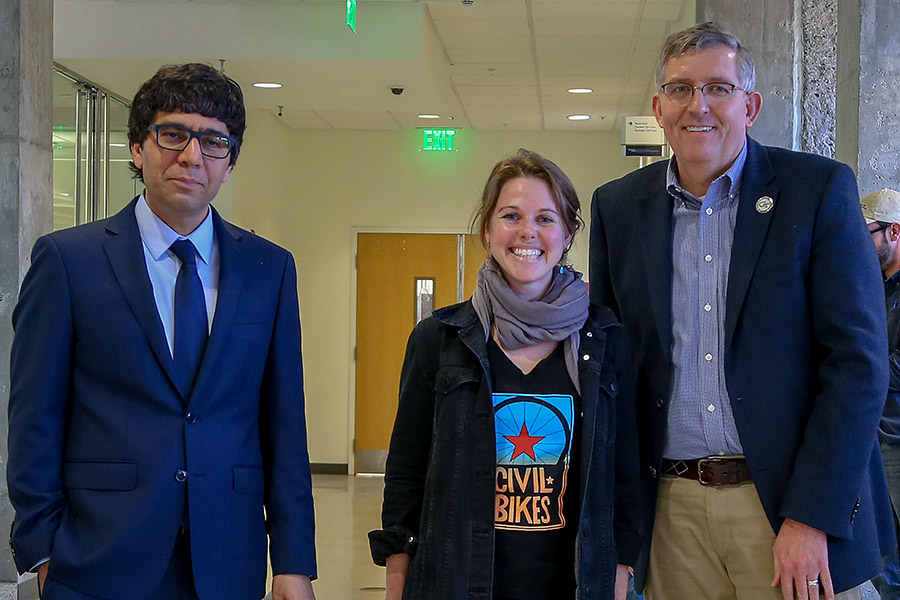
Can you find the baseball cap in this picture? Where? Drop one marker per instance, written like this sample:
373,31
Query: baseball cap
883,206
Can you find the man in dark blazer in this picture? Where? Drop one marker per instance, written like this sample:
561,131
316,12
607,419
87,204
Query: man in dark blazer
156,405
750,292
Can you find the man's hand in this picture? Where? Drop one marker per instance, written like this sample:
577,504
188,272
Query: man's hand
622,575
801,556
42,576
292,587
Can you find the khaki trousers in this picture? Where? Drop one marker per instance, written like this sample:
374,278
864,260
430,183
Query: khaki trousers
712,543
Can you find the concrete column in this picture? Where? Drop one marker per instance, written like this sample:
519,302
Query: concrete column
26,186
770,29
794,45
818,74
868,92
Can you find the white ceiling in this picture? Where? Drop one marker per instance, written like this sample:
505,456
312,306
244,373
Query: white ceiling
492,65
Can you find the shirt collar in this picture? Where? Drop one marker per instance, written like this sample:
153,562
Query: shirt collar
158,236
733,175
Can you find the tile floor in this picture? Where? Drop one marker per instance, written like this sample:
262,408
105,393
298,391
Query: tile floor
347,508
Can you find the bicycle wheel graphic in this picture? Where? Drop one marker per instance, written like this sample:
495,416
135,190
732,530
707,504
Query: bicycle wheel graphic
540,419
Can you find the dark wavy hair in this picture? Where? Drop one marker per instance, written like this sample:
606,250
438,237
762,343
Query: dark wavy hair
188,88
526,163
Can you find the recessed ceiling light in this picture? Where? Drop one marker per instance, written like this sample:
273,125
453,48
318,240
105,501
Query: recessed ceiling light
578,117
115,145
267,85
429,116
580,90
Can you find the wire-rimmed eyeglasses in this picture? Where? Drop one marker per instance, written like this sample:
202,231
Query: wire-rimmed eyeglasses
176,137
714,91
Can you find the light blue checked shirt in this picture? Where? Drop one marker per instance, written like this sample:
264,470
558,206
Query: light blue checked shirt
701,422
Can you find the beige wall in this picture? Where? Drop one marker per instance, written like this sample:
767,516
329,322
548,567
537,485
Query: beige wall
311,191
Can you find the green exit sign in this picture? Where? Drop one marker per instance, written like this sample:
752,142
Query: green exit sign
438,139
351,14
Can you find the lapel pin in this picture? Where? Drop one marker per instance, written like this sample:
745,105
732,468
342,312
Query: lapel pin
764,204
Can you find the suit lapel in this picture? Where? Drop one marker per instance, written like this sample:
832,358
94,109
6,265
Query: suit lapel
657,248
232,271
126,257
750,228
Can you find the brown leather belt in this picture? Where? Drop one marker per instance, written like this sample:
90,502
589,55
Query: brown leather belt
713,470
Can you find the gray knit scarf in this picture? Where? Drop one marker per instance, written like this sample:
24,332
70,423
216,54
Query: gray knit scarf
558,315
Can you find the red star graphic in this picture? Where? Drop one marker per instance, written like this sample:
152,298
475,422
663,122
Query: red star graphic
523,442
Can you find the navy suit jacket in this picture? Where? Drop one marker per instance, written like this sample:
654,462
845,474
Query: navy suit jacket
805,342
98,427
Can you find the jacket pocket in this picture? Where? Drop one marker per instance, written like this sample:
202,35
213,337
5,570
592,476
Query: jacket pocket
607,408
774,276
450,378
454,388
113,476
248,479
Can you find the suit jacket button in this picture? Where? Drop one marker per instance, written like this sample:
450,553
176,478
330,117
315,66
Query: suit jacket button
660,402
181,475
190,418
653,472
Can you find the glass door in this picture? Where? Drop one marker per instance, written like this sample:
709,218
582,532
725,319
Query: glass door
91,176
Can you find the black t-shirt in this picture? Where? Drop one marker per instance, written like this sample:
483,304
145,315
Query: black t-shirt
537,418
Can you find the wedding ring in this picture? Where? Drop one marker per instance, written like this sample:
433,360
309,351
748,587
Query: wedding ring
812,582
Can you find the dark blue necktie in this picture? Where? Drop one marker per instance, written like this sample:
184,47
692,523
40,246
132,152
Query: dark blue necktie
191,325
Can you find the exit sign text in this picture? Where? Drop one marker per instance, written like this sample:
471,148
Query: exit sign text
437,139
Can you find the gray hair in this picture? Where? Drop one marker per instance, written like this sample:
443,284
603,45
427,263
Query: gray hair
707,35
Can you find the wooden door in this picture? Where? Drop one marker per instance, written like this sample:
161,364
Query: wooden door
388,269
475,254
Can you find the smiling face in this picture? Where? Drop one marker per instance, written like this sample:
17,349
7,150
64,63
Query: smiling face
526,235
181,184
705,137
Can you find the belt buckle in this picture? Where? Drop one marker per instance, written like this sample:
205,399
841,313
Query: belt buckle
715,460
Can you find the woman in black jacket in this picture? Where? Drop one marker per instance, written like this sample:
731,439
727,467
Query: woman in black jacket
504,456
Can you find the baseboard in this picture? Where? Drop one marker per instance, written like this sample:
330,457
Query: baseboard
329,468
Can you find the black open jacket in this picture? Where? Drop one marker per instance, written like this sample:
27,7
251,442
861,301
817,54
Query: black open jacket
439,480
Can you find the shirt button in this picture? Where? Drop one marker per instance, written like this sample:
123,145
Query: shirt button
707,307
711,408
586,357
181,475
708,357
708,258
709,211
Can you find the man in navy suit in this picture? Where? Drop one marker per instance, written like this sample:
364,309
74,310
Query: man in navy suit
156,420
750,292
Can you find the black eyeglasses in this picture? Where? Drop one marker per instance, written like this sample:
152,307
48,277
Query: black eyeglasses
176,137
714,91
881,227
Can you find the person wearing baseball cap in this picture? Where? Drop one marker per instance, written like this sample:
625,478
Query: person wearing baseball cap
882,212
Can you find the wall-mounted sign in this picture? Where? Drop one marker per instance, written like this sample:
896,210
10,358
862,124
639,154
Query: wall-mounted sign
642,136
351,14
438,139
